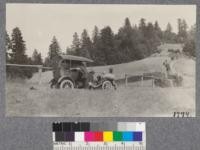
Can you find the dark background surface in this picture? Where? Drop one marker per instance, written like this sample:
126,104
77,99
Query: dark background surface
25,133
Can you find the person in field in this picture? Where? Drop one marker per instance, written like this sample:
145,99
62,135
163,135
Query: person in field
167,68
110,75
84,74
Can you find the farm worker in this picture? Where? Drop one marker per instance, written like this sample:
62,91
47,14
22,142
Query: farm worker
167,68
84,76
64,66
55,66
91,75
172,69
109,74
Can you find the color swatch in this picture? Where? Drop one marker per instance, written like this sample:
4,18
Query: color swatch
104,136
107,136
84,132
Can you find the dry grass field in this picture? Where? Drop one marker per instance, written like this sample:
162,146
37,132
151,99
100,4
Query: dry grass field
126,101
133,100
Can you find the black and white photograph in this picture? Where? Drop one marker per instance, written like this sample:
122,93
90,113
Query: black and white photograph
100,60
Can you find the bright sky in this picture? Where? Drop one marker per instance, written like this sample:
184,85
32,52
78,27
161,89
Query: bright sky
40,22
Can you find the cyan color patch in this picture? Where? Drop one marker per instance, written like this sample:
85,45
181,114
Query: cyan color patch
127,136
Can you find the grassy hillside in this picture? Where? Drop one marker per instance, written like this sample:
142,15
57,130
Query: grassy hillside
151,64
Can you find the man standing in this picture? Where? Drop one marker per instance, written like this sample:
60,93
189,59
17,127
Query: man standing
84,77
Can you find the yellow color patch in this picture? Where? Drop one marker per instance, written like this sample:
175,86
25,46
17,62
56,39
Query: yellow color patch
107,136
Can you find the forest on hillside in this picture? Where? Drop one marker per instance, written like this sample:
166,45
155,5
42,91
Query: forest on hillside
131,42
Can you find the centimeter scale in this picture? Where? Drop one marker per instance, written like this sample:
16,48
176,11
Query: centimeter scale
99,136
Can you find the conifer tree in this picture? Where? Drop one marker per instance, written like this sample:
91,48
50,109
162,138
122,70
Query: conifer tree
54,52
36,58
8,47
107,46
75,47
18,56
18,47
86,45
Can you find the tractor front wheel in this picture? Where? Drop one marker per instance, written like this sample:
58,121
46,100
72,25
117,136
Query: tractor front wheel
107,85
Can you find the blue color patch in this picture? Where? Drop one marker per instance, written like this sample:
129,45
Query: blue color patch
137,136
127,136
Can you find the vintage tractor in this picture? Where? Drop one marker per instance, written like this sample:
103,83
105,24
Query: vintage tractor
72,73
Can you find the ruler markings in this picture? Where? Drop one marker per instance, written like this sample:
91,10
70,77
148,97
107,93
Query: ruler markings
64,147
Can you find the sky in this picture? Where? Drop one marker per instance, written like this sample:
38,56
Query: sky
40,22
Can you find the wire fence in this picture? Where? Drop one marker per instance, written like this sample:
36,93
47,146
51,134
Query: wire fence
144,79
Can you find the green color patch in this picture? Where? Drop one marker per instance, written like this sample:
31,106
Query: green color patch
117,136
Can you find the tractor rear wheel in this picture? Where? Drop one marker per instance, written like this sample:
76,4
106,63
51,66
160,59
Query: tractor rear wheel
67,84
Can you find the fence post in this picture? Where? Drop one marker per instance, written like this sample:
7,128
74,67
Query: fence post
153,81
126,80
40,74
142,78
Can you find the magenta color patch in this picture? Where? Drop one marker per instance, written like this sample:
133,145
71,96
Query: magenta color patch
89,136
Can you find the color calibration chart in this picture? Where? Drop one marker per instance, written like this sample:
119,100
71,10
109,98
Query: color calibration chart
99,136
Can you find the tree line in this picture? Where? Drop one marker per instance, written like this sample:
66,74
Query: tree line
16,54
130,43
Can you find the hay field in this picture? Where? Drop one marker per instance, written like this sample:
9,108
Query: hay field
126,101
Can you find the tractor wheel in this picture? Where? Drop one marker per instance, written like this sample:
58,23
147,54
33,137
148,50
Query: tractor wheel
107,85
67,84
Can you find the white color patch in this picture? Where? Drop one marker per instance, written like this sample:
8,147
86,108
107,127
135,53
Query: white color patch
79,136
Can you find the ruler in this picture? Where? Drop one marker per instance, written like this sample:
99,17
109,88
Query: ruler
123,136
98,146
